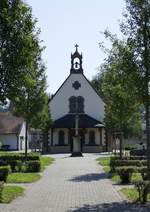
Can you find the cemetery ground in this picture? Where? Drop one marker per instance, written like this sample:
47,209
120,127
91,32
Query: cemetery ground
128,175
14,172
73,184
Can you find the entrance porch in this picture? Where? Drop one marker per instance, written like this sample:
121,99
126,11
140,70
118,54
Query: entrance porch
91,139
90,130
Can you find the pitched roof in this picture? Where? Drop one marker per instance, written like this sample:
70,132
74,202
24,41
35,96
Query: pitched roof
85,121
10,124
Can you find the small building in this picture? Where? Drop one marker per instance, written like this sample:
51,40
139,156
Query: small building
76,97
12,132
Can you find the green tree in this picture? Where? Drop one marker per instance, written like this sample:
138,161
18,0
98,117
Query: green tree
97,81
31,103
122,110
42,120
18,44
136,27
22,73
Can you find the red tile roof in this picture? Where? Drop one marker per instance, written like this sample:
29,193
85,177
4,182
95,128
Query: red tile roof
10,124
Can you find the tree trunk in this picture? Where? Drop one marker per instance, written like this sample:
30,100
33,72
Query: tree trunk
121,153
115,144
148,139
26,141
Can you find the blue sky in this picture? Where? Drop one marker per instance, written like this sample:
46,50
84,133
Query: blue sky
64,23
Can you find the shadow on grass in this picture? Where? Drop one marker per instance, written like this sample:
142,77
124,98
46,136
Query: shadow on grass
112,207
89,177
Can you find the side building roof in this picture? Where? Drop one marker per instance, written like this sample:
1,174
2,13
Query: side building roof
10,124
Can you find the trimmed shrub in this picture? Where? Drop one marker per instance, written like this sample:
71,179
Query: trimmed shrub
3,163
15,160
18,156
138,152
4,171
112,163
33,166
125,173
12,164
129,147
143,188
143,172
118,163
1,190
138,157
15,165
19,165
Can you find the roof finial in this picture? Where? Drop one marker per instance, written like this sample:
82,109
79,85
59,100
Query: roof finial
76,47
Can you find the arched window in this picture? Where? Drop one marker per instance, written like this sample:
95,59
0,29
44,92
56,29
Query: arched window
91,137
72,104
61,138
80,101
76,104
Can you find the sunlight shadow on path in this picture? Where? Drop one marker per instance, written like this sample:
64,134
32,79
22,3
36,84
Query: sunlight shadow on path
89,177
111,207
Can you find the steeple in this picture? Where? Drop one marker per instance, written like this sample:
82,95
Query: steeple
76,62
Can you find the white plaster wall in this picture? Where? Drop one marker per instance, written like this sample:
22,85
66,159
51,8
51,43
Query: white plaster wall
103,136
86,137
66,136
59,105
97,137
55,137
22,134
9,139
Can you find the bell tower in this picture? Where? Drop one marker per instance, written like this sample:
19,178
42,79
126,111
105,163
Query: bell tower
76,62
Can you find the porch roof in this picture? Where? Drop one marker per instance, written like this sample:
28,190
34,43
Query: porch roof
85,121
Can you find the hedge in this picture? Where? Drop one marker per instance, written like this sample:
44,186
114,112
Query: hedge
4,171
135,157
143,188
118,163
1,190
143,172
18,156
125,173
33,166
138,152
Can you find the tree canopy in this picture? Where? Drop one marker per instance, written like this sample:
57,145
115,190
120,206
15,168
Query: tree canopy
19,46
115,82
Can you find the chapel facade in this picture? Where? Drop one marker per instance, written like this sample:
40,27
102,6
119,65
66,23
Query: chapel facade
76,100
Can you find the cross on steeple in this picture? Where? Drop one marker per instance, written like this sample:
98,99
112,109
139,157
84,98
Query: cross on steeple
76,47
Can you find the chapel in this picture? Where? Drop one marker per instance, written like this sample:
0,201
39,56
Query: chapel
76,109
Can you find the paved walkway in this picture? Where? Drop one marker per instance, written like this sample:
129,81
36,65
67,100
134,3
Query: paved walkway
71,184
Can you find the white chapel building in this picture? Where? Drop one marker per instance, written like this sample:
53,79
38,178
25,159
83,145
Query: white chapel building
76,97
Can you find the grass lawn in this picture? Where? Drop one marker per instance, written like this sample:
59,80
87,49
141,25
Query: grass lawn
46,161
105,161
23,177
131,194
29,177
11,192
